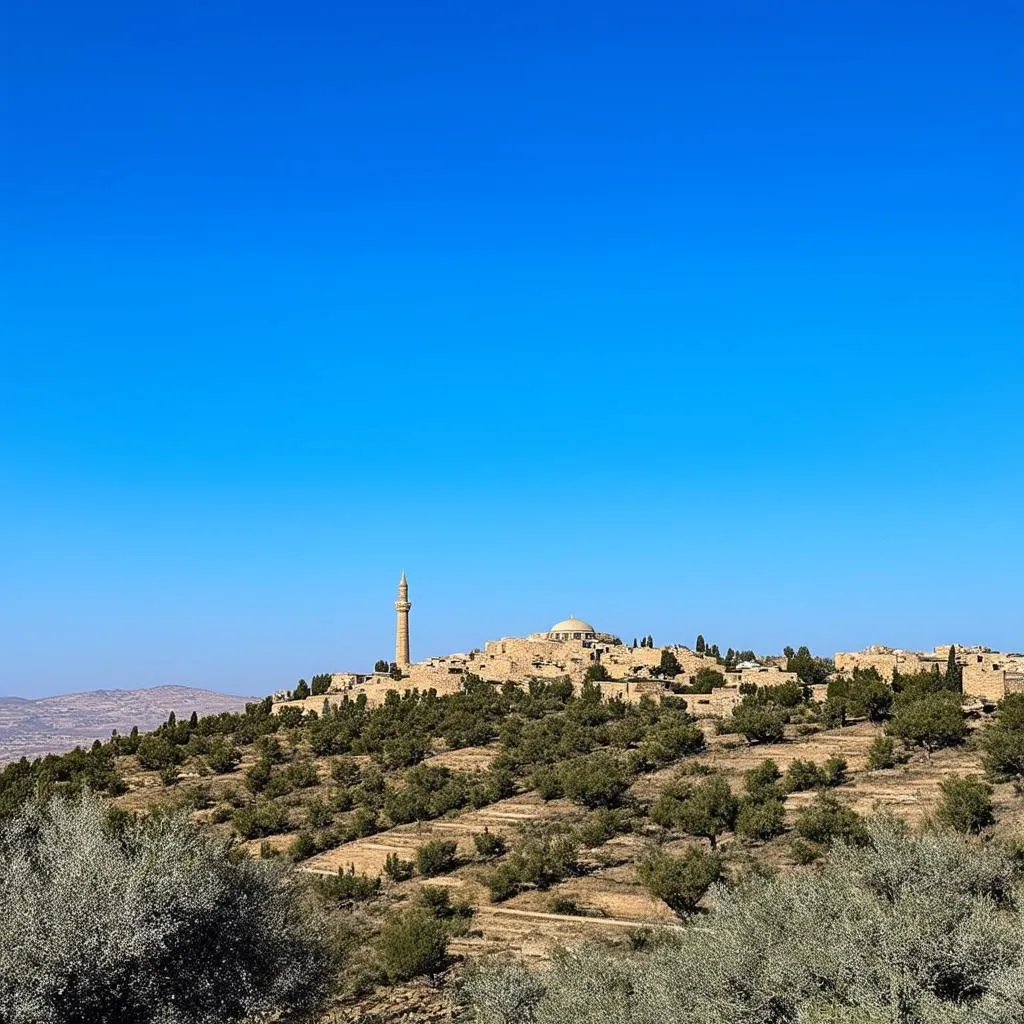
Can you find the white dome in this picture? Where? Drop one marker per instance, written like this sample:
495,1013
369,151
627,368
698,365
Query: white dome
572,626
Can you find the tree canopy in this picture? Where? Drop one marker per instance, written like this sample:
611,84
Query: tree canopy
902,930
146,921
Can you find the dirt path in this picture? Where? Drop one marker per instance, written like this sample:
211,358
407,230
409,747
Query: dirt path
579,918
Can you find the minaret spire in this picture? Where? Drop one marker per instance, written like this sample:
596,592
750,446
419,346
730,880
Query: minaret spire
402,606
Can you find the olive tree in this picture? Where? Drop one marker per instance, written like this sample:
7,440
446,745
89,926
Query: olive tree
903,930
146,921
932,721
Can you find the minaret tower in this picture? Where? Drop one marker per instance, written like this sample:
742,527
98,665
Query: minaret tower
402,606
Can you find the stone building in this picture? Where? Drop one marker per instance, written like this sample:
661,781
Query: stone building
566,650
987,674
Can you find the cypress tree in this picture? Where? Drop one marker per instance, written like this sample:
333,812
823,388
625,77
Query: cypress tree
954,674
700,647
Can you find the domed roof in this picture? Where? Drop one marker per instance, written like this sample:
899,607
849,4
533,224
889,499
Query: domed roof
571,625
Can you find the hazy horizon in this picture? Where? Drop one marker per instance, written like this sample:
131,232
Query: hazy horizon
704,319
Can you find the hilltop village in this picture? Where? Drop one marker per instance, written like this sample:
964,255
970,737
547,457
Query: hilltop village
577,650
477,812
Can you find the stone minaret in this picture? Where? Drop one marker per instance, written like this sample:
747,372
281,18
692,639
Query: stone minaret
402,606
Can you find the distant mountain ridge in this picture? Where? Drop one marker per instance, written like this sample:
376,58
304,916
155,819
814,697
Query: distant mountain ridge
55,725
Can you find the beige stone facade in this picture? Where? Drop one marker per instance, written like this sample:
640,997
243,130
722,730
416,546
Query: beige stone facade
570,647
987,674
566,650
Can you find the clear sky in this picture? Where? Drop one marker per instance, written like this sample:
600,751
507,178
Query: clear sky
677,317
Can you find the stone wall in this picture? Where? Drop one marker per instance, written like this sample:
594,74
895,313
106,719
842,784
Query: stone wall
986,673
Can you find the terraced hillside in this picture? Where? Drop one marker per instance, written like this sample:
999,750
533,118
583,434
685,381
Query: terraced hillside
524,820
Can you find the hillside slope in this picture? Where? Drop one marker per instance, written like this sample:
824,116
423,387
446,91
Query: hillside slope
54,725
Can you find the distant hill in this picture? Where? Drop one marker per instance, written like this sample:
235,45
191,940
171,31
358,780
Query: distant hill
54,725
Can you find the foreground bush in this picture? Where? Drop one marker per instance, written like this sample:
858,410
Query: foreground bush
145,922
905,930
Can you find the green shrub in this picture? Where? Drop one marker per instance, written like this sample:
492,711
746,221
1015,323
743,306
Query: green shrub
966,804
706,680
345,771
437,899
412,943
706,809
502,883
302,773
346,887
548,783
260,819
833,713
222,757
435,857
667,742
258,775
803,775
680,881
883,753
155,752
340,800
1002,753
567,906
597,780
763,782
759,723
760,820
1002,744
863,695
302,847
833,772
599,826
932,721
318,813
542,859
397,869
488,844
361,823
803,852
826,820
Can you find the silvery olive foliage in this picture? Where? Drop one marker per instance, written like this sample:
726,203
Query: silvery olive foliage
145,922
905,930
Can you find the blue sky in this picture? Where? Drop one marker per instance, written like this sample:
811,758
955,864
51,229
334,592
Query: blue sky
676,317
